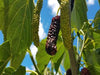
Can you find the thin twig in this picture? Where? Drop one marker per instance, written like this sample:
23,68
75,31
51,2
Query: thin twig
58,10
80,55
52,68
33,61
32,71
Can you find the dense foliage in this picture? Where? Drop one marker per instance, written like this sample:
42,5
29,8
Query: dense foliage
19,23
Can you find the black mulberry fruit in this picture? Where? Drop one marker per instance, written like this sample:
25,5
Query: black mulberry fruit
85,71
53,35
68,72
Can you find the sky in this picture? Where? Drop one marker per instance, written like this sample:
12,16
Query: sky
48,11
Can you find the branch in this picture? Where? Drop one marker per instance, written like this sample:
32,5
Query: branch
80,55
66,34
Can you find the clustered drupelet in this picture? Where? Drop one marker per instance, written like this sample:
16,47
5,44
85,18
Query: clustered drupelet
53,35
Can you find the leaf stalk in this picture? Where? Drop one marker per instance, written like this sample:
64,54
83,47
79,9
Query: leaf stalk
33,61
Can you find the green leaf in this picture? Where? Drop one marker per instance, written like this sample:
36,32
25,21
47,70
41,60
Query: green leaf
4,55
20,71
60,50
92,63
66,60
94,70
57,64
11,71
57,58
4,9
97,53
8,71
19,32
79,14
35,22
61,55
97,22
96,37
90,57
1,14
42,57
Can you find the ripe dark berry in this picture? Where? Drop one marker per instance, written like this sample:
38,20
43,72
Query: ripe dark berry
53,35
85,71
68,72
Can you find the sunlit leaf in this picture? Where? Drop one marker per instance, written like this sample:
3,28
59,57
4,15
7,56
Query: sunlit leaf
20,29
57,64
42,57
1,13
96,37
4,10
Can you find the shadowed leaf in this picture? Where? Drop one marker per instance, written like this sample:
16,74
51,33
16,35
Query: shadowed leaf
4,55
79,14
97,22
